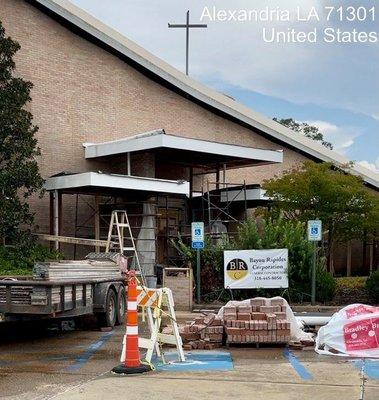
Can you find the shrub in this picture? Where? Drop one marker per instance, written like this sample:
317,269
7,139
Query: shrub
212,262
351,289
267,234
283,233
17,261
325,285
248,236
372,286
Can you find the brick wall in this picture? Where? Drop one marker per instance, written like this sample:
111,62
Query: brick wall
84,94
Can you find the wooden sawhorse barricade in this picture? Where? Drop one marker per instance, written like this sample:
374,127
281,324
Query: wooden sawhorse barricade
156,303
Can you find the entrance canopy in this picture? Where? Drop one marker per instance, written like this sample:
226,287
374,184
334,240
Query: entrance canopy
250,193
206,155
95,182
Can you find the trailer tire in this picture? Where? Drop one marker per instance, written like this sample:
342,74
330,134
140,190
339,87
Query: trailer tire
109,317
121,306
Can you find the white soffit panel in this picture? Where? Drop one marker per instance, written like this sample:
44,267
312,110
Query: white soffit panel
122,182
239,195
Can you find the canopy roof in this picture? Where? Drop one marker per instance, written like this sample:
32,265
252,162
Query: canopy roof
251,193
197,153
95,182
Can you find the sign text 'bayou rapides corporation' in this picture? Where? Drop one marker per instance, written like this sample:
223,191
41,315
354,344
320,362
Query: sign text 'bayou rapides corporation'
253,269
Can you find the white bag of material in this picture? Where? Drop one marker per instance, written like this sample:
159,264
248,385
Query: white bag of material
351,332
297,333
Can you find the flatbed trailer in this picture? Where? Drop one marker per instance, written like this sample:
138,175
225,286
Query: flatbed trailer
39,299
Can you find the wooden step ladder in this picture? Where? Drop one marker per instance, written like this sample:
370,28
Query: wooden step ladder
120,234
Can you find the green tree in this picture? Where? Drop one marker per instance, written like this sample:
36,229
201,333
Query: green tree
339,199
307,130
19,174
273,232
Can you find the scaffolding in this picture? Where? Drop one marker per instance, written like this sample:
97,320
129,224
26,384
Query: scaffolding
172,215
169,216
218,207
173,222
95,223
145,234
84,229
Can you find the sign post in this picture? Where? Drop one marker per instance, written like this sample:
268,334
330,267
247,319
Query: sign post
314,235
197,239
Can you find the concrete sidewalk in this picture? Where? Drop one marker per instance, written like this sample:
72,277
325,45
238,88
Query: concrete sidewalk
260,374
42,365
196,387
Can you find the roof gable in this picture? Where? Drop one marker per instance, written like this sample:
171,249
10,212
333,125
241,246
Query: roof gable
195,90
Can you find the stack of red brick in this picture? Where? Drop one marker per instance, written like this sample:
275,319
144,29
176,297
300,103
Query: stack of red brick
254,322
257,322
205,332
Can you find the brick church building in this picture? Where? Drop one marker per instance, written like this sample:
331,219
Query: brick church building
120,127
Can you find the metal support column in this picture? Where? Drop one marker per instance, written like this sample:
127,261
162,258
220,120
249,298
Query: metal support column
245,199
56,218
314,261
218,177
190,208
128,164
97,222
198,277
224,175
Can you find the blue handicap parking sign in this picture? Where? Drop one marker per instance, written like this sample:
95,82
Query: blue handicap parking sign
314,230
197,235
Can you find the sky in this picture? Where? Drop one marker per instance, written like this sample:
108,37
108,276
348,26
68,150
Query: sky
334,86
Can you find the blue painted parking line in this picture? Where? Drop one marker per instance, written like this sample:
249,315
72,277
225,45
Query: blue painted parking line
371,367
91,350
297,365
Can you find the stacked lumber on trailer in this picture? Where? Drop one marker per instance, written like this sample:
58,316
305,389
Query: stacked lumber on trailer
39,294
76,270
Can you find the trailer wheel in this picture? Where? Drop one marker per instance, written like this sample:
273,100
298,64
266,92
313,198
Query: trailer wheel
109,317
121,306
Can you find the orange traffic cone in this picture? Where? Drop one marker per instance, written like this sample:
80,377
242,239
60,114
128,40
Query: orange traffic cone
130,354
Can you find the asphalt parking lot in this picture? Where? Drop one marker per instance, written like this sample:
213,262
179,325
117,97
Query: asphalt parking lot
40,363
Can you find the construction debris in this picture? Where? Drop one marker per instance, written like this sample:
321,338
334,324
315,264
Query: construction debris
204,333
76,270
